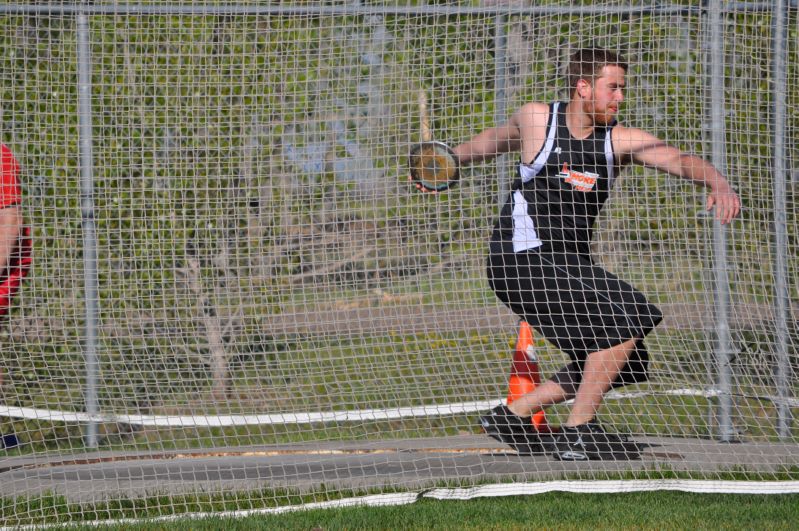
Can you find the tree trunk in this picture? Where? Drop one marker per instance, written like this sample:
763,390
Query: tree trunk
213,332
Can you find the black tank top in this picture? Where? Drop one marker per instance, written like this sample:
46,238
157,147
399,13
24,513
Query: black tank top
557,197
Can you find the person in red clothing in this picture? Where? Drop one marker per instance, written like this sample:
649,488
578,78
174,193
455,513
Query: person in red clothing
15,246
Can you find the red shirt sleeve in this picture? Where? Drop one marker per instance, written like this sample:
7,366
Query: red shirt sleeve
10,190
20,260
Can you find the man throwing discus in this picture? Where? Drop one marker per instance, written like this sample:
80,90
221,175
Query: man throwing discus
540,264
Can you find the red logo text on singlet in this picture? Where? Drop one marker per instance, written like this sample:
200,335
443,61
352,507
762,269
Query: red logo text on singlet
580,181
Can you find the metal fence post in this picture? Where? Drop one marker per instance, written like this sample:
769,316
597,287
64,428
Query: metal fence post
722,286
87,223
500,99
781,297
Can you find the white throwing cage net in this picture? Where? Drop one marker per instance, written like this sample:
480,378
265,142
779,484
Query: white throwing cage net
232,274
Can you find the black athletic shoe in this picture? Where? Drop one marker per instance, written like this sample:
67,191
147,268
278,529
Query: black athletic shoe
515,431
590,442
614,438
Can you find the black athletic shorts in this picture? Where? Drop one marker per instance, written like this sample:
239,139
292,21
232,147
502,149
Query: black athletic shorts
576,305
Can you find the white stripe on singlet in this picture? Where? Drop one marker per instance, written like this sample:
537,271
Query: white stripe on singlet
609,158
524,234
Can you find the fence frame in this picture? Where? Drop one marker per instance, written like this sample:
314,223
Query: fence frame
714,10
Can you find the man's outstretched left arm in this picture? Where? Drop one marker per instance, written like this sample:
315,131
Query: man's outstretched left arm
647,150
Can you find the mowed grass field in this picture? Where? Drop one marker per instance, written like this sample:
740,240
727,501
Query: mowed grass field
555,510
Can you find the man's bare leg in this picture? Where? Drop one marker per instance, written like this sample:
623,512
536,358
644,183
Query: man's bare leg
543,395
600,370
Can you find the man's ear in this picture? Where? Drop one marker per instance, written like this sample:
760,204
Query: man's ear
583,88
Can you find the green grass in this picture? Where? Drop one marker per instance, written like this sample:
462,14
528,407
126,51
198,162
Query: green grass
643,510
177,511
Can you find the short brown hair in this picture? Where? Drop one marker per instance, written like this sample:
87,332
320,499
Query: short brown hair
588,64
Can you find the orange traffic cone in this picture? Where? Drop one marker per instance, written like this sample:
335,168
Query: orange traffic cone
524,374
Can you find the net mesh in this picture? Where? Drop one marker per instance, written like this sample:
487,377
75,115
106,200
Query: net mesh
268,283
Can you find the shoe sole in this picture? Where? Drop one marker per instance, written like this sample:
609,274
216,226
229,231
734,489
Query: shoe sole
629,451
